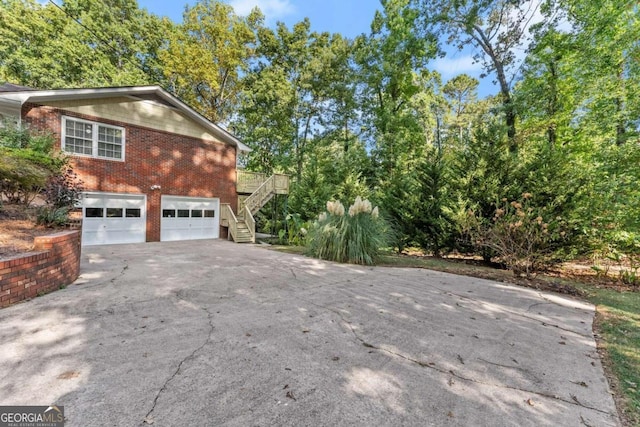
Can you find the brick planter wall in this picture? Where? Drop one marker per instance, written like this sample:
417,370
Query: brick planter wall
56,263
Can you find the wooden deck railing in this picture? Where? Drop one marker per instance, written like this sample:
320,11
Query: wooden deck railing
281,183
261,188
249,182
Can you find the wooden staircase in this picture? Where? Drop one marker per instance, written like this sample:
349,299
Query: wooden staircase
261,189
243,233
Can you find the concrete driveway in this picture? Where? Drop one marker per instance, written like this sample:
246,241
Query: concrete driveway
214,333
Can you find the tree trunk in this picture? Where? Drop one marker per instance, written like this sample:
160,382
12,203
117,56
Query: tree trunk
553,105
621,130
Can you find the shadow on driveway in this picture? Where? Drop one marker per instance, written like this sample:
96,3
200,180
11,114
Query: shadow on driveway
212,332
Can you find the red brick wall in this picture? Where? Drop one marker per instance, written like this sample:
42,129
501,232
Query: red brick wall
180,165
56,263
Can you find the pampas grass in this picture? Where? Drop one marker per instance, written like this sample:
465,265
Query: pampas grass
356,237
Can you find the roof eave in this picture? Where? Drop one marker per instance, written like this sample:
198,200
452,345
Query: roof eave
65,94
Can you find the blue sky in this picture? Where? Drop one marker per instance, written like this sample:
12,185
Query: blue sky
347,17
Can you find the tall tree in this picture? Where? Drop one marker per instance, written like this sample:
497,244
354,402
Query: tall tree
461,92
297,90
392,61
207,55
497,28
79,44
607,34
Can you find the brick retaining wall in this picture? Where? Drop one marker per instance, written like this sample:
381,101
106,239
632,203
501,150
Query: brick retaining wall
55,263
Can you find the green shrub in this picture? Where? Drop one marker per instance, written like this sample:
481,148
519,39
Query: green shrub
63,189
355,236
52,217
21,179
522,235
296,231
21,137
27,160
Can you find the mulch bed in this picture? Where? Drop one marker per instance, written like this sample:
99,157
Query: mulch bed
17,230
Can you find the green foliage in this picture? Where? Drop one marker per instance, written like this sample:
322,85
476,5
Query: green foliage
433,223
419,205
521,234
618,321
299,91
296,231
21,178
308,195
52,216
80,43
29,166
356,236
63,189
207,54
15,137
335,171
26,162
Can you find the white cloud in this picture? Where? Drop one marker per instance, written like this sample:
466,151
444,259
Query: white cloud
450,67
272,9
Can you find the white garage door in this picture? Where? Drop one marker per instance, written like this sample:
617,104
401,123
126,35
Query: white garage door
189,218
113,218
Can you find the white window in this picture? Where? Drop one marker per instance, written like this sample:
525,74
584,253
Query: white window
87,138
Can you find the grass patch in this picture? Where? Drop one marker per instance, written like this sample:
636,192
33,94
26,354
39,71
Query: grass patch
618,324
294,250
617,319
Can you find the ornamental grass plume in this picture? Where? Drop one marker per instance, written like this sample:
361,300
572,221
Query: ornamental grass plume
335,208
355,238
360,206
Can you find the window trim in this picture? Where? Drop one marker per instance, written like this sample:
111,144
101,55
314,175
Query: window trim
94,139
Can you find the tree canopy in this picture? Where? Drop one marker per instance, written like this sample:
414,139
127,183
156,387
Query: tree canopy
371,117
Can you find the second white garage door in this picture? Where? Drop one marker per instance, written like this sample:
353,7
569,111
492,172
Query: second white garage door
189,218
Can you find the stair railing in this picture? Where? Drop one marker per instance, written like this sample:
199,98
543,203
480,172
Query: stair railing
227,215
256,200
250,222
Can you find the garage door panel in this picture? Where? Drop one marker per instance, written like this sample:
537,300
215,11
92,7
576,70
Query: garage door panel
189,218
113,218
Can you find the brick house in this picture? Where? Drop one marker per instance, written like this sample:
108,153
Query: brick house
153,168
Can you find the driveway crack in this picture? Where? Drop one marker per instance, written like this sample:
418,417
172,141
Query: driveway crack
149,417
450,372
506,310
110,281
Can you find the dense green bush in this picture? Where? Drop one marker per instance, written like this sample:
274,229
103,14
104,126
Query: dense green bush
63,189
355,236
21,137
52,217
27,160
21,178
295,231
29,166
